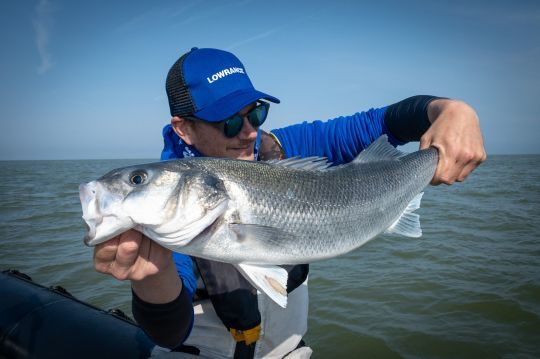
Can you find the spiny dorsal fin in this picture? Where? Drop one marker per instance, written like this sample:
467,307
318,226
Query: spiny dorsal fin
313,163
381,149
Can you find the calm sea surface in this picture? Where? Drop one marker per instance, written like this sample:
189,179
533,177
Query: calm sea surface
470,287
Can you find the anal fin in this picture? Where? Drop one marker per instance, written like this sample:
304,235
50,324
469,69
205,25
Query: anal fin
408,224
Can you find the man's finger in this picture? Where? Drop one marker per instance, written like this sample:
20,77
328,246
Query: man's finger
447,171
128,250
141,268
466,171
425,142
104,255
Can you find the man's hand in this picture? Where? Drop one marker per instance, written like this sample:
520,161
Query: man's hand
149,266
455,132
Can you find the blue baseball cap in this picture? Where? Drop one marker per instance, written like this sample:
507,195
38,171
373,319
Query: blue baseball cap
210,84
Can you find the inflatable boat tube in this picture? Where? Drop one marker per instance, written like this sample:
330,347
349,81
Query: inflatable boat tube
41,322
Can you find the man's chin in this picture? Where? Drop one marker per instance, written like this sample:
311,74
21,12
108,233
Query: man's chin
242,153
247,158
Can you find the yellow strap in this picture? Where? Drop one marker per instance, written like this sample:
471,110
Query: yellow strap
249,335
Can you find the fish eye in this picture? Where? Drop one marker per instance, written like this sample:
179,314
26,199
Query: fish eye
137,178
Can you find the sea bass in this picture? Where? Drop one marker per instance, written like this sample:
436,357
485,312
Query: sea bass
258,215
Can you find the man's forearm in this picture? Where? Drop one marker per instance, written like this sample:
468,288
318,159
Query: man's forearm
162,307
409,119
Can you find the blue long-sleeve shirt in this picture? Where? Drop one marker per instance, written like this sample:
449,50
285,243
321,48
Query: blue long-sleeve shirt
340,139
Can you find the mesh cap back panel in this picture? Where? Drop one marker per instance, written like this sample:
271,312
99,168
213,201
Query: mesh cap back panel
180,101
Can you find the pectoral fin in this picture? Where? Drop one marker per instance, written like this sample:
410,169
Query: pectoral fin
269,279
265,235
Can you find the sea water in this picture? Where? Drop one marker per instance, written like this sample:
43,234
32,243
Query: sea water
469,287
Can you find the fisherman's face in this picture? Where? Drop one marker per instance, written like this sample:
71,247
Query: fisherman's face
210,140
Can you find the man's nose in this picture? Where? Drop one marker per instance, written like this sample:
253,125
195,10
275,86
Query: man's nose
248,131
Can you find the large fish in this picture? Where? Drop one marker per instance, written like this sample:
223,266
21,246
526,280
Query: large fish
258,215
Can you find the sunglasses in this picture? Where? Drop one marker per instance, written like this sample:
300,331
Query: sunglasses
256,117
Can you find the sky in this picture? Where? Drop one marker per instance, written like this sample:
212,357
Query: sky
86,79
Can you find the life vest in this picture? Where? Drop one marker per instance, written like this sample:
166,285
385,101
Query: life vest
237,305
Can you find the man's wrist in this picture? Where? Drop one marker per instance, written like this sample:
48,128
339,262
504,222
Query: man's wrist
408,120
162,287
168,324
436,107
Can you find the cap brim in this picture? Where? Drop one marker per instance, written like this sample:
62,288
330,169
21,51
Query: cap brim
231,104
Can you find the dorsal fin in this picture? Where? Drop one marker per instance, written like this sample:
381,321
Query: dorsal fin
313,163
379,150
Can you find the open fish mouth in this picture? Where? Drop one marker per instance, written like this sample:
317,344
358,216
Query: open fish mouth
99,227
91,231
87,195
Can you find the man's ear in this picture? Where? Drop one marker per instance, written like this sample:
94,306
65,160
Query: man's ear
184,129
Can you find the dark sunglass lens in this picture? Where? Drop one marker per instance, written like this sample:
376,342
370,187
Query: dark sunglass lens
233,126
258,115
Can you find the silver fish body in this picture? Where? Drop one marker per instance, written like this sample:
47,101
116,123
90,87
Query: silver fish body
257,215
260,213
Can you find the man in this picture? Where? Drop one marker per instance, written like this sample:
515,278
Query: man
217,112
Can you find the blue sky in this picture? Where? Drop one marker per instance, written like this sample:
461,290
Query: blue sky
85,79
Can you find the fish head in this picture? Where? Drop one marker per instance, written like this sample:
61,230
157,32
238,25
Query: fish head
169,203
124,198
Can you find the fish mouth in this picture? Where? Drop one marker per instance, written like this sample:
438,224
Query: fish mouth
87,195
90,233
109,228
99,227
102,229
91,225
